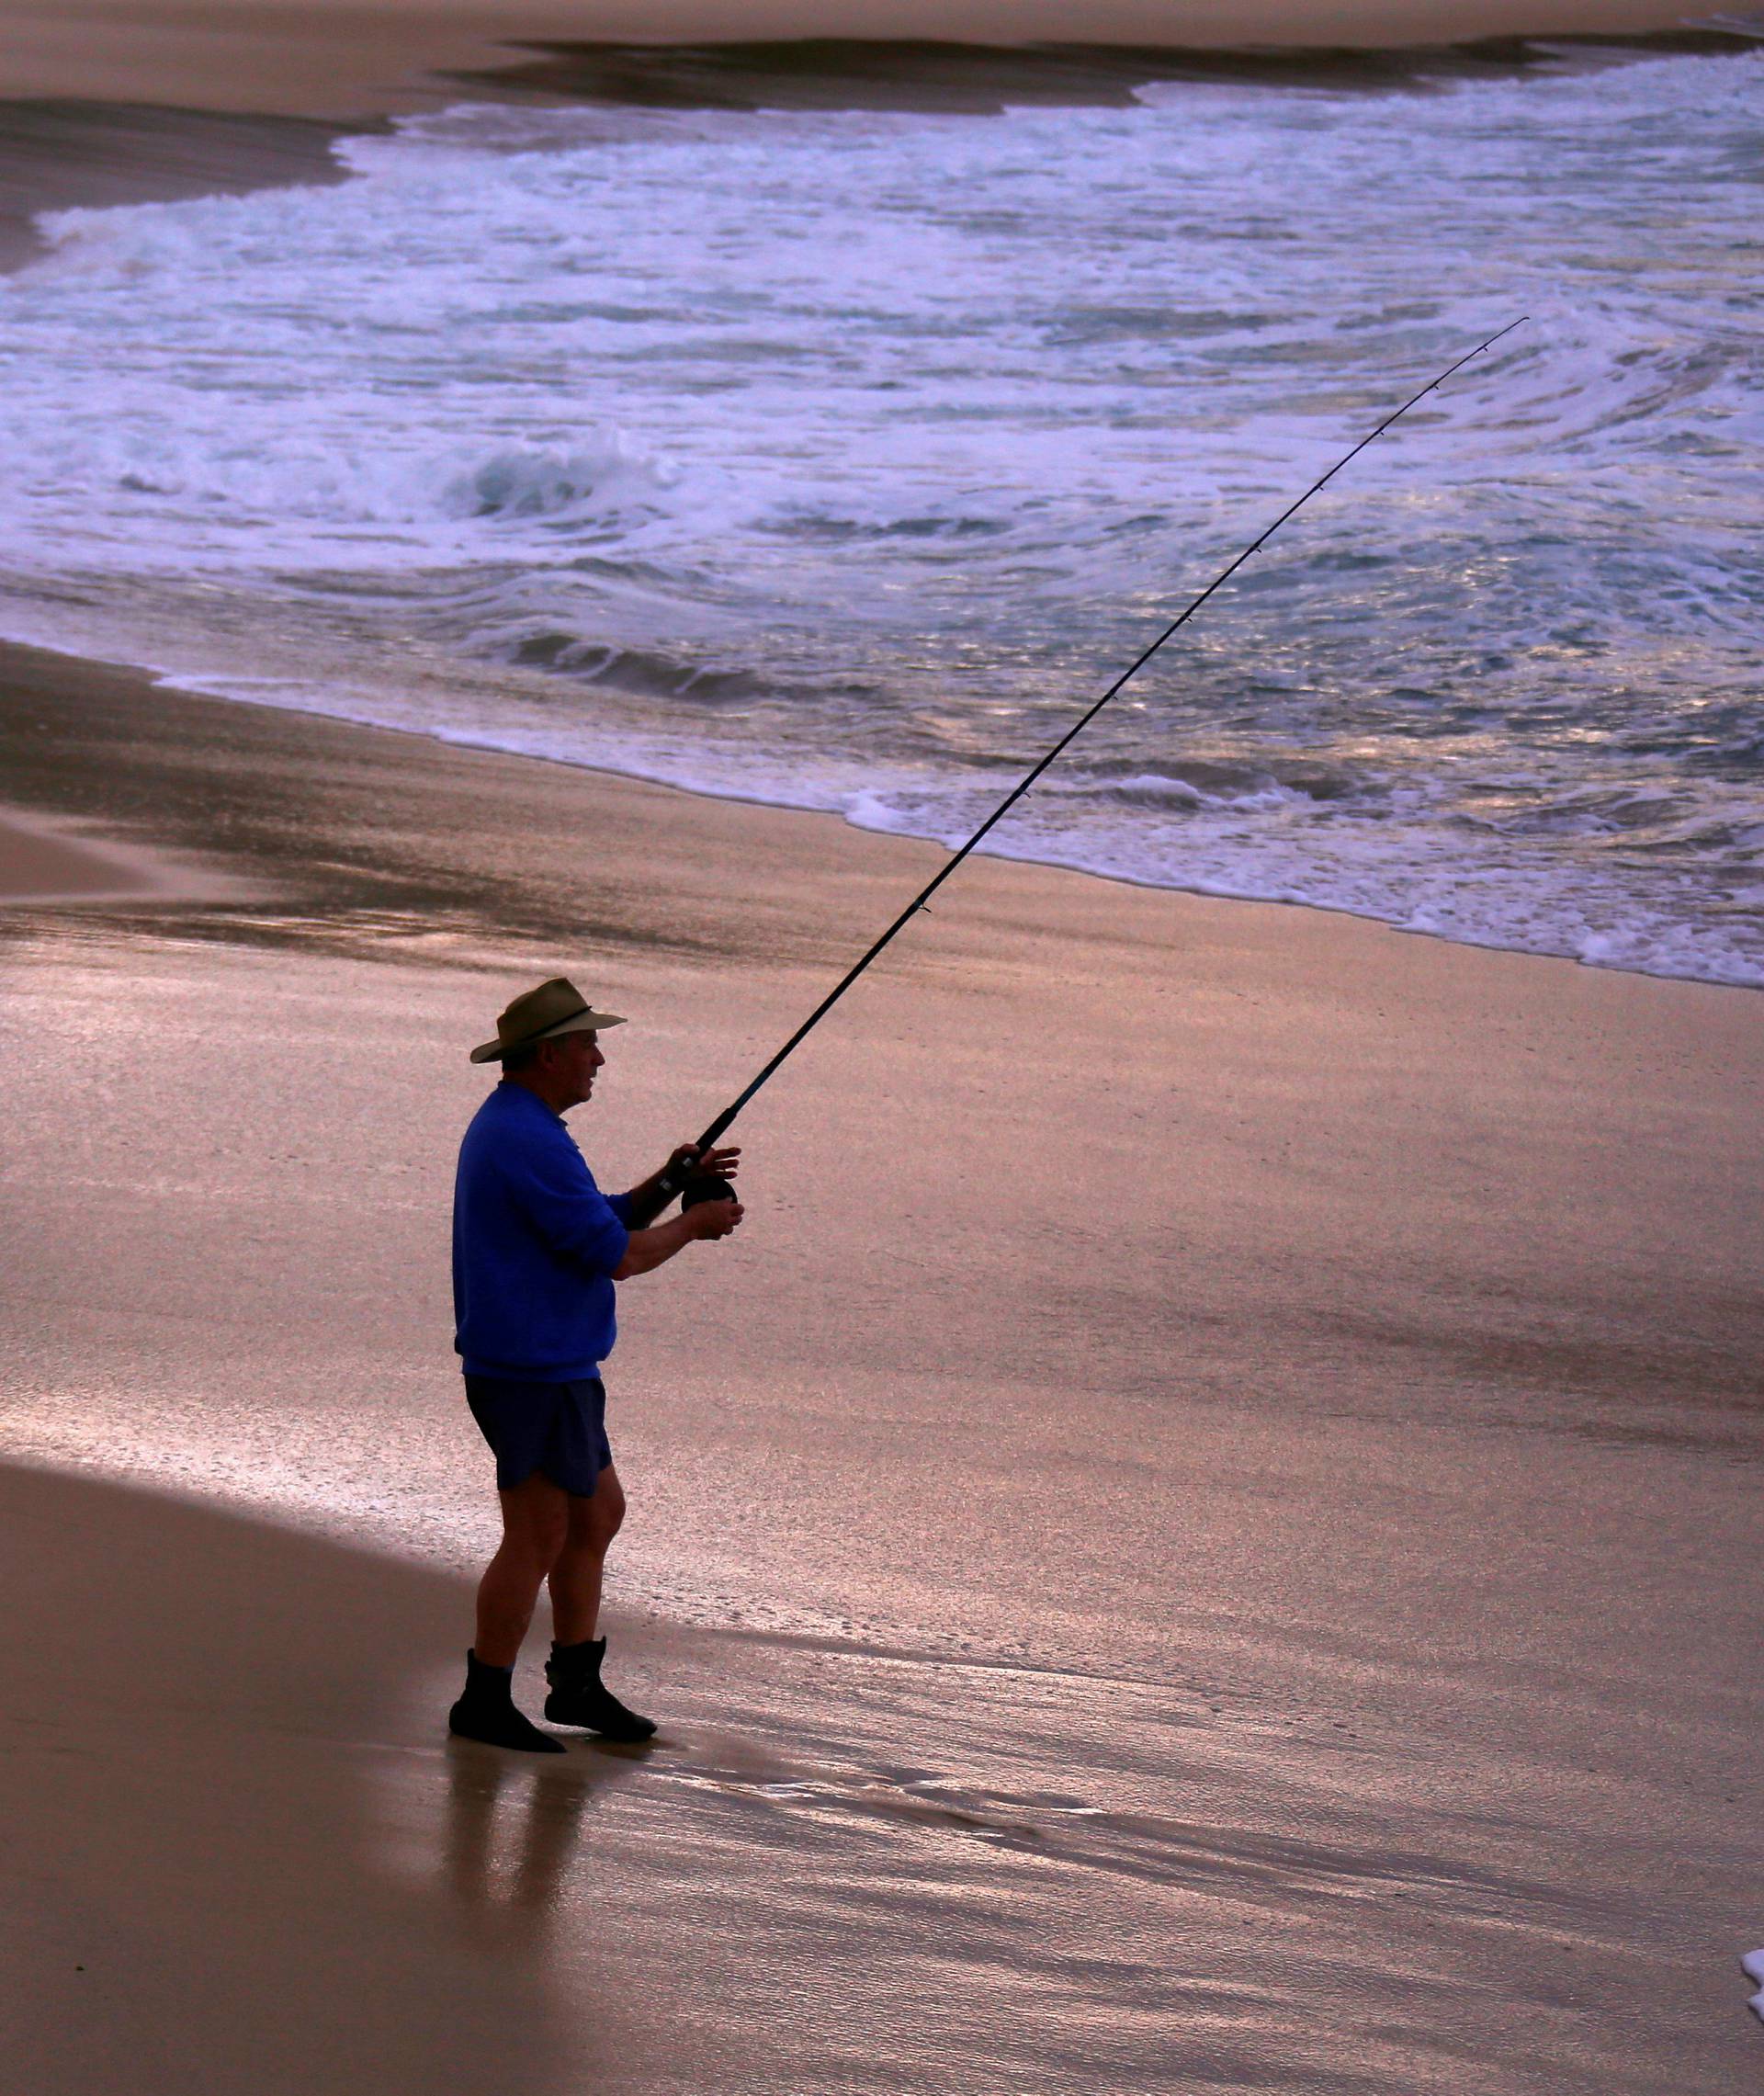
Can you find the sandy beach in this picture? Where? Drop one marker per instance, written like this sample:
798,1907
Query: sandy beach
1296,1380
1200,1536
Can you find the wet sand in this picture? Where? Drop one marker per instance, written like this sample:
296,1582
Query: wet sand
44,861
1196,1537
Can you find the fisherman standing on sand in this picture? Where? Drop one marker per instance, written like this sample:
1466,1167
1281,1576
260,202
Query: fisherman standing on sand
537,1248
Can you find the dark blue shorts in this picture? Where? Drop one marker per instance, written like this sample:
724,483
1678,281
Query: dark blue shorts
556,1428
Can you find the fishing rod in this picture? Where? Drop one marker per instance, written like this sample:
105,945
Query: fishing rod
694,1188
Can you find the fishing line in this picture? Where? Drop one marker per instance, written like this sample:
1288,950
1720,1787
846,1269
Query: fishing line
694,1189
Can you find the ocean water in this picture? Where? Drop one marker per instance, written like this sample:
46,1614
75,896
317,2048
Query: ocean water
839,458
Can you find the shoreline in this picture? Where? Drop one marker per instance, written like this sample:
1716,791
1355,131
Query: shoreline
81,154
1510,924
184,882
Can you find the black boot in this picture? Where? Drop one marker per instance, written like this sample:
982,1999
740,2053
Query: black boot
487,1712
578,1698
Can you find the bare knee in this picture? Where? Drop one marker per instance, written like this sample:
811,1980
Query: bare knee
535,1525
594,1522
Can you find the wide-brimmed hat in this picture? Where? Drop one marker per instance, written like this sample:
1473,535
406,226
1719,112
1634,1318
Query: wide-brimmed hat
555,1007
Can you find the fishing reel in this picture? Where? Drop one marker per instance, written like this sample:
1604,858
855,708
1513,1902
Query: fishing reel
702,1187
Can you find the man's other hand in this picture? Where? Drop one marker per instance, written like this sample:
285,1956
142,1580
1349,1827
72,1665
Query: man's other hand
712,1218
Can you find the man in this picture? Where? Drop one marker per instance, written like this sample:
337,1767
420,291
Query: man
537,1248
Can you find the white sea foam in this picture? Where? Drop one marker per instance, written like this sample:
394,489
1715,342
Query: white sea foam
835,459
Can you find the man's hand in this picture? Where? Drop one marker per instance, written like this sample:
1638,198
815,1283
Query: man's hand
714,1164
712,1218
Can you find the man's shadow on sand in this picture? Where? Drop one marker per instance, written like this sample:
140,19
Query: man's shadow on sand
514,1824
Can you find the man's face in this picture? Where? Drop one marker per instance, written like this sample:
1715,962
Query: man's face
579,1056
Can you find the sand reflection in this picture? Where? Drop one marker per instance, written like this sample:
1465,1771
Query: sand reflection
514,1830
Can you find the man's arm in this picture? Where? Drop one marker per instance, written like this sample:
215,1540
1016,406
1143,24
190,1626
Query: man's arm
649,1248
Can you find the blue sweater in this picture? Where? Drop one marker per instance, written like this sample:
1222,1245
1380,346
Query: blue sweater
535,1243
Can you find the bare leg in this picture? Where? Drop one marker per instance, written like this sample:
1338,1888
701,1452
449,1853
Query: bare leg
576,1570
535,1522
578,1694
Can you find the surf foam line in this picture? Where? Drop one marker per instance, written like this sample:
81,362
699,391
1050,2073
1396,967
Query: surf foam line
718,1189
1240,869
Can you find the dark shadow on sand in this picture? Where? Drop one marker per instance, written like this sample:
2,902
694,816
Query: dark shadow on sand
359,842
240,1853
